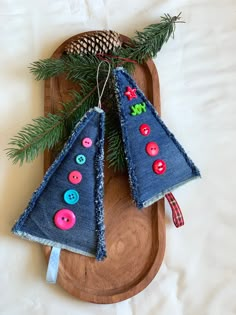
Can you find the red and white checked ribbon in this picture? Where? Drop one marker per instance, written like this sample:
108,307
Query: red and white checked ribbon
177,215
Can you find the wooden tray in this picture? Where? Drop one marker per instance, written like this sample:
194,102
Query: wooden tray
135,239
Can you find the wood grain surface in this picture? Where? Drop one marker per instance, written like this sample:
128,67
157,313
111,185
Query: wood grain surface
135,239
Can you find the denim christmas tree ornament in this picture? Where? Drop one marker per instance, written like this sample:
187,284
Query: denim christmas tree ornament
156,161
66,211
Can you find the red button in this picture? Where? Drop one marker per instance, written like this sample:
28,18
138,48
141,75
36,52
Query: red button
75,177
87,142
64,219
152,148
159,167
144,129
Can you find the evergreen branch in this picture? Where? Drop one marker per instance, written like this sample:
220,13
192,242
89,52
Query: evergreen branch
148,43
75,110
47,68
115,151
45,132
83,68
77,68
42,134
144,45
115,154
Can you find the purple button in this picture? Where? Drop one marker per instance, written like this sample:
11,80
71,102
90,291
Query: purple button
64,219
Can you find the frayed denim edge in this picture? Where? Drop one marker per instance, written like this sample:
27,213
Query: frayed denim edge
162,194
131,167
47,242
99,188
133,183
79,126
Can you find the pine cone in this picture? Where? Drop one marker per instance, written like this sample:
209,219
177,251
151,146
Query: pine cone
94,43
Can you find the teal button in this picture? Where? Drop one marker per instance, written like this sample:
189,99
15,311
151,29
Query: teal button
71,196
80,159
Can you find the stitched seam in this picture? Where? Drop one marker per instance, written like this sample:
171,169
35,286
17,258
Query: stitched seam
162,194
47,242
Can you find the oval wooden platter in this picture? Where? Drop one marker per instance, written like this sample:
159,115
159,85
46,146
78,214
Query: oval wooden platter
135,239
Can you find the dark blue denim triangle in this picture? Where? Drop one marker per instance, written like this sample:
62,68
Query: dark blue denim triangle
87,234
146,185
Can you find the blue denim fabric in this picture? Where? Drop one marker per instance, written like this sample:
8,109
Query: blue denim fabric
87,236
146,186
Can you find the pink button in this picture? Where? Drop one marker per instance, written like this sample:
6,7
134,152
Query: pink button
159,167
75,177
145,129
64,219
152,148
87,142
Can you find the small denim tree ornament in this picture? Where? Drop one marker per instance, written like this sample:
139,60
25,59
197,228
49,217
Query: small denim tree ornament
157,163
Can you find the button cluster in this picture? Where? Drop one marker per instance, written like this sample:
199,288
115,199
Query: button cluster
65,219
152,149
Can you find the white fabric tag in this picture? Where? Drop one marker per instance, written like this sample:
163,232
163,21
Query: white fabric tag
53,265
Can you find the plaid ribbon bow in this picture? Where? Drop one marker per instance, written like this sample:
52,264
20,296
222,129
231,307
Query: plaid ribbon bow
177,215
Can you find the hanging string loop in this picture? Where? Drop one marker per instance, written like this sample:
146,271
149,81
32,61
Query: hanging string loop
100,94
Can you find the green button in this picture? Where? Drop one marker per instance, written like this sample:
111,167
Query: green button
80,159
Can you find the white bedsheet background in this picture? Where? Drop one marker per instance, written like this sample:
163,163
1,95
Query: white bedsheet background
198,76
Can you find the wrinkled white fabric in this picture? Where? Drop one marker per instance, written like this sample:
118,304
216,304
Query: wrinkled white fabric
198,76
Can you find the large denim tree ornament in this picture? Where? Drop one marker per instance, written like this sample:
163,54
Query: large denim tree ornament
156,161
66,211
